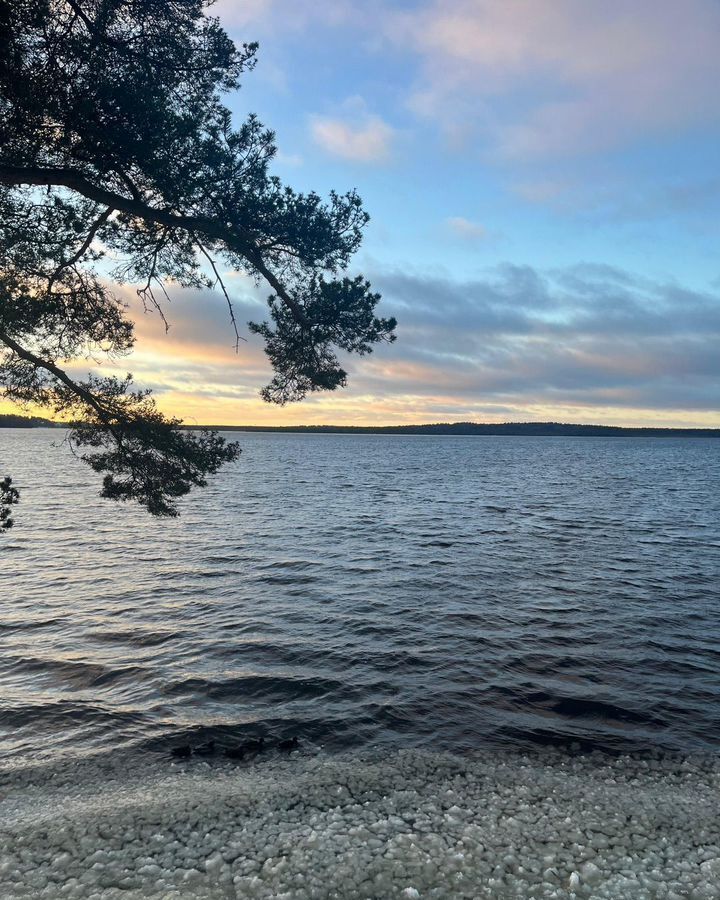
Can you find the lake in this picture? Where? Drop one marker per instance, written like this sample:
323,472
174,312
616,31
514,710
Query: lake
420,592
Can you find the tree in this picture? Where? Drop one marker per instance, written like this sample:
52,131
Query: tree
120,163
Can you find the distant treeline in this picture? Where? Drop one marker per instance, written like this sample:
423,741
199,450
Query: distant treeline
537,429
12,421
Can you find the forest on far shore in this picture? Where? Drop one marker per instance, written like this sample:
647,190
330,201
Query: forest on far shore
534,429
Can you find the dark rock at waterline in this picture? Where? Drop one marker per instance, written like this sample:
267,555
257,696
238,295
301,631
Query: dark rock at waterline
182,752
288,744
235,752
247,748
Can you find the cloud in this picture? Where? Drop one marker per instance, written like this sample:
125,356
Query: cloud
233,14
291,160
546,78
590,342
366,139
197,316
686,201
283,15
590,335
464,228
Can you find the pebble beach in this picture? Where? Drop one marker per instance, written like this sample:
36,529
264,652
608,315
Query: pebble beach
409,824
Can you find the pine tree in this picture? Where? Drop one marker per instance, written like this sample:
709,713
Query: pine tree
115,144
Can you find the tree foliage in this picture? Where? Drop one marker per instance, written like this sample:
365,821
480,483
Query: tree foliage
9,496
119,162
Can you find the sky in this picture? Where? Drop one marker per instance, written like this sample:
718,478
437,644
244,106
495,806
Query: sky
543,183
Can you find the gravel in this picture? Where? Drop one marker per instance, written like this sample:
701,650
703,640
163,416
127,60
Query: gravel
409,824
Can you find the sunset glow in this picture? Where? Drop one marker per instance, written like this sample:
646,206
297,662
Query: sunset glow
544,195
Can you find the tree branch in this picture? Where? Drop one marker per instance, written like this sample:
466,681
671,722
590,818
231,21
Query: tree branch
75,180
218,280
77,9
76,257
62,376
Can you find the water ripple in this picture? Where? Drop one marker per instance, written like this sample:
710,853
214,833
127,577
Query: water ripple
414,591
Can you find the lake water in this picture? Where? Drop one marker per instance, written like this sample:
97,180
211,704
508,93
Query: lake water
369,591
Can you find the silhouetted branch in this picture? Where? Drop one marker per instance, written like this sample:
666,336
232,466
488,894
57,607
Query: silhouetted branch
218,280
85,246
75,180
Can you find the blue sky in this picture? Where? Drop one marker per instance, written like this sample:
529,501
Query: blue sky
544,187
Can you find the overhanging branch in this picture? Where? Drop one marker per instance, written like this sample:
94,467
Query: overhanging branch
40,363
85,246
75,180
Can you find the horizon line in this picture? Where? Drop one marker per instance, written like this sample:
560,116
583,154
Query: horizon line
467,423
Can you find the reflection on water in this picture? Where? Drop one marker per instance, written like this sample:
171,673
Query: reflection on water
402,590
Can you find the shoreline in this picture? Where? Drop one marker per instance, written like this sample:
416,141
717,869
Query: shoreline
407,824
438,429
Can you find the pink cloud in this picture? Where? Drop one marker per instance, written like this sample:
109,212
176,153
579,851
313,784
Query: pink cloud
283,15
367,140
573,77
